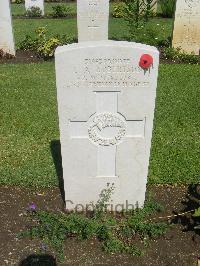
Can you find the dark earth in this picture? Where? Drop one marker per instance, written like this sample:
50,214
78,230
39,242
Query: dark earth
180,246
23,57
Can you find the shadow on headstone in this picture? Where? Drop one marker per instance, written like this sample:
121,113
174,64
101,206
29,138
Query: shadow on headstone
38,260
57,158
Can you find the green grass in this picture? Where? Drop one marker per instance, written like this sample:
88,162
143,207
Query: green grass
176,142
23,27
29,119
19,9
29,124
117,27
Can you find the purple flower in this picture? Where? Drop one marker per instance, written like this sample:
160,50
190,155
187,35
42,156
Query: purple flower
43,246
32,207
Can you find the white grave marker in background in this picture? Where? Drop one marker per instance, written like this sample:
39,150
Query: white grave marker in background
92,18
106,106
35,3
6,32
154,5
186,33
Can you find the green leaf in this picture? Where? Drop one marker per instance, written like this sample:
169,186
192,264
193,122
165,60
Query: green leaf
197,213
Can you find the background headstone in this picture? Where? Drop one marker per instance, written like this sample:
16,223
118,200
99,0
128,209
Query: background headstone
154,5
186,33
106,106
6,32
35,3
92,19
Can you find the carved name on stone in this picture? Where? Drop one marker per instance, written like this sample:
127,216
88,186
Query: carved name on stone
186,33
108,72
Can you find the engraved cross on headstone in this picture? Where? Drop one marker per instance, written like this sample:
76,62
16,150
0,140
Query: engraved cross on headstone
106,129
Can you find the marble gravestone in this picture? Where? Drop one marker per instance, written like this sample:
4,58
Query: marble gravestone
35,3
92,17
6,32
106,104
186,33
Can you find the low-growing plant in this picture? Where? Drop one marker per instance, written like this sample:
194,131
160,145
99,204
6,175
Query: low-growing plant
43,44
60,10
177,55
165,42
100,207
117,233
167,8
33,11
28,44
118,10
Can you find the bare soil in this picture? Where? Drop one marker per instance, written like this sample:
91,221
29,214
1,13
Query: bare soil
22,57
180,246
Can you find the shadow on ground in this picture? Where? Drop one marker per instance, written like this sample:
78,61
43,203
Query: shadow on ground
190,203
57,159
38,260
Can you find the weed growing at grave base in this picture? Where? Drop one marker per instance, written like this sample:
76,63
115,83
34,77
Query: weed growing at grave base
117,233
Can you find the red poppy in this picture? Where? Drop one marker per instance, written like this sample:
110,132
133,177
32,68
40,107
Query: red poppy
146,61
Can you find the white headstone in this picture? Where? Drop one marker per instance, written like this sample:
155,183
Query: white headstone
6,32
92,19
35,3
186,33
106,108
154,6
